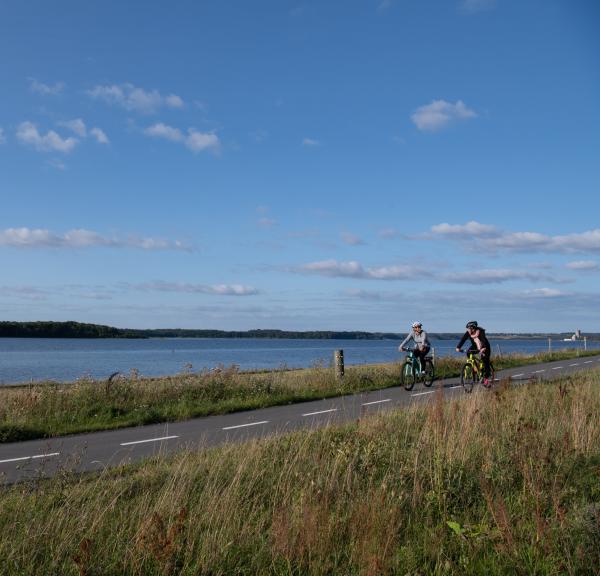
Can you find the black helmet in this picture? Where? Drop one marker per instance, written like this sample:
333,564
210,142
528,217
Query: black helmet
472,324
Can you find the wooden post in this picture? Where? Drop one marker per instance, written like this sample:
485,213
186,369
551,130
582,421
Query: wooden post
338,362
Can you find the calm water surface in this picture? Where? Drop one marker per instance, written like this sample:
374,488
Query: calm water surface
26,359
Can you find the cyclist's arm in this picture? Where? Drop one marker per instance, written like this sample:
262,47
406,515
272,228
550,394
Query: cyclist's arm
462,341
406,340
485,343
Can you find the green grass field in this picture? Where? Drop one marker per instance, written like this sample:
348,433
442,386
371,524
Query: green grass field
494,483
52,409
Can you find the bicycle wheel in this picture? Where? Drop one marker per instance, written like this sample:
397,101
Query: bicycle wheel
468,378
407,376
428,373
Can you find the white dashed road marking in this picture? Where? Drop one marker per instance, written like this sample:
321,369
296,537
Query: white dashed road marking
517,375
576,364
376,402
538,371
320,412
37,456
557,368
149,440
421,393
244,425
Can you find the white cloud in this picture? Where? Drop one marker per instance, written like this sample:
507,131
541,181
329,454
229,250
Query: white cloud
80,238
353,269
544,293
27,133
100,136
310,142
490,238
194,140
2,137
467,230
495,276
215,289
583,265
77,126
46,89
439,114
535,242
199,141
135,99
174,101
588,241
161,130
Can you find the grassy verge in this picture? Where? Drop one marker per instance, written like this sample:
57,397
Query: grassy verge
51,409
502,483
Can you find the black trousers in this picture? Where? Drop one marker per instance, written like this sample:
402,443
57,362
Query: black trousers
420,354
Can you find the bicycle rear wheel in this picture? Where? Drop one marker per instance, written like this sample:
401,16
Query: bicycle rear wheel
428,373
492,374
407,376
468,378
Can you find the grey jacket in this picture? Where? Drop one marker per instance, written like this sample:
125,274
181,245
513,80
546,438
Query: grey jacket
421,340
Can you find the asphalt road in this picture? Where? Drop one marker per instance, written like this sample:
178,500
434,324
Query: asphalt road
22,461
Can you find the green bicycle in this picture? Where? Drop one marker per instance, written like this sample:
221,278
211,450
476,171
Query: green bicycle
412,371
473,372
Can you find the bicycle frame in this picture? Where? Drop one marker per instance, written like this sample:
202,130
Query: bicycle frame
476,362
415,361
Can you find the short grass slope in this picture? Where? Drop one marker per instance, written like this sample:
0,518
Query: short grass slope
506,482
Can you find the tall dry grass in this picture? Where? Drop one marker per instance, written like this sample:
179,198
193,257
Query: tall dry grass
496,483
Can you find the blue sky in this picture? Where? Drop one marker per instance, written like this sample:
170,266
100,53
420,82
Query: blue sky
301,165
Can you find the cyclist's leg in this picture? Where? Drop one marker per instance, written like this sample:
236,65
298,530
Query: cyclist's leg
485,357
420,355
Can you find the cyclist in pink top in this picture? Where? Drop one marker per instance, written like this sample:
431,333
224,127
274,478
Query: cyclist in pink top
479,344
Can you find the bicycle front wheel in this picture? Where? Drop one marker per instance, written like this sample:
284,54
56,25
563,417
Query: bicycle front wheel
407,376
428,373
468,378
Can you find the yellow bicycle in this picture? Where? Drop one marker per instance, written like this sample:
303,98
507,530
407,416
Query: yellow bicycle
473,372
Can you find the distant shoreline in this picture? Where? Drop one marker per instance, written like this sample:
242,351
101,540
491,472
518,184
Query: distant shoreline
99,331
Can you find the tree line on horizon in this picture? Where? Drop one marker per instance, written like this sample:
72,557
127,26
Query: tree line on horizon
72,329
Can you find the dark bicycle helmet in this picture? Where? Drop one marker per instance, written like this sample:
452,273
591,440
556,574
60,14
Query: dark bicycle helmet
472,324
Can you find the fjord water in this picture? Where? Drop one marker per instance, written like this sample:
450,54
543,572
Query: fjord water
27,359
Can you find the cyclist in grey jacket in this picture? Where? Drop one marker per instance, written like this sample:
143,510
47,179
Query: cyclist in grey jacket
421,340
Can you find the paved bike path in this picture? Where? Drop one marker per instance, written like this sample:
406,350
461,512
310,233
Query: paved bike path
97,450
